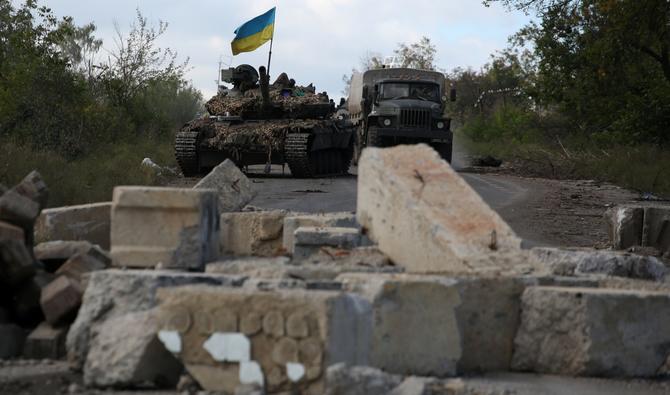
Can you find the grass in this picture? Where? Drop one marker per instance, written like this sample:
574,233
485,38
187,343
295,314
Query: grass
644,168
88,179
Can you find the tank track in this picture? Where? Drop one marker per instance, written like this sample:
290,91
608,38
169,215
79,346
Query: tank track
308,164
186,152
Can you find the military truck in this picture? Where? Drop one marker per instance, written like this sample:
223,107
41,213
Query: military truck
261,123
391,106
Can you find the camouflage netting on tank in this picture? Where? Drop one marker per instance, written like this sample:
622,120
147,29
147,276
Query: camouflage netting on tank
267,134
251,102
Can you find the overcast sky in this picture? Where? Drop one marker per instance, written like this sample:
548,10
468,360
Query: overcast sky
315,40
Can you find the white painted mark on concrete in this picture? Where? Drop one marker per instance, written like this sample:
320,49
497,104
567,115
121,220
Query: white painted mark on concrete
231,347
251,373
295,371
171,340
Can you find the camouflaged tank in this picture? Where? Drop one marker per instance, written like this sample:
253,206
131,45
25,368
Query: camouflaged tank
258,123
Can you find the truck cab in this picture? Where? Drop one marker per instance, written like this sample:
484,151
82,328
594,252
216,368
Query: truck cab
400,106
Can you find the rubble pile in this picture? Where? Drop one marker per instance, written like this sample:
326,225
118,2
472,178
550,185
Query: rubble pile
423,290
42,286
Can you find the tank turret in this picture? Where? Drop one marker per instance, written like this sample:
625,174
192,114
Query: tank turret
256,122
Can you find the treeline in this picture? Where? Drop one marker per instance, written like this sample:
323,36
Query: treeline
588,84
65,99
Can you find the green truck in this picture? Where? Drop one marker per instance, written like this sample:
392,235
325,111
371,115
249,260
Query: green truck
391,106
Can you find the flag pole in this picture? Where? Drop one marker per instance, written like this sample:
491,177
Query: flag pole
270,55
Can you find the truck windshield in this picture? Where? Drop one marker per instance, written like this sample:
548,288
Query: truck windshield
409,90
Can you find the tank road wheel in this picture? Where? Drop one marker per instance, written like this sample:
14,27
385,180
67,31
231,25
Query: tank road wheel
300,160
186,152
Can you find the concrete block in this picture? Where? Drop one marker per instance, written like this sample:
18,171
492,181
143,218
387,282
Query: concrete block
293,222
115,293
10,232
656,228
624,226
593,332
18,209
80,264
127,353
12,338
178,228
587,262
280,340
88,222
60,300
426,218
257,233
45,342
54,253
438,326
309,240
234,189
16,263
34,188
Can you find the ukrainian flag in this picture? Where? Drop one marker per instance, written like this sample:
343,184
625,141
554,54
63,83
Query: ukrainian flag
254,33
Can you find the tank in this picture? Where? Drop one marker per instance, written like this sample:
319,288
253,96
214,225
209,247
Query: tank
256,122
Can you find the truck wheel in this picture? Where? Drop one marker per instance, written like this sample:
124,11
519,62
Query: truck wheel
373,139
445,150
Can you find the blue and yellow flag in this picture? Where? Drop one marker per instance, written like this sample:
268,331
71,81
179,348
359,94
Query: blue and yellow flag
254,33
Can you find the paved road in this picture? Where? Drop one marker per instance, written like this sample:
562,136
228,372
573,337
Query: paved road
506,195
339,194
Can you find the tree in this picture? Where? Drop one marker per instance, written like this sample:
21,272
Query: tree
604,63
80,47
137,61
419,55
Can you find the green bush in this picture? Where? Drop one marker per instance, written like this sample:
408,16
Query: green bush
91,178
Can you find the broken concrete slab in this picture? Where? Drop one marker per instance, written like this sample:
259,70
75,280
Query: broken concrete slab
257,233
358,257
283,340
12,338
234,189
45,342
88,222
127,353
326,266
177,228
309,240
295,221
60,300
439,326
426,218
586,262
18,209
114,293
593,332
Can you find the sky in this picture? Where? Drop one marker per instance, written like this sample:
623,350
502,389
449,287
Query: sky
315,41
